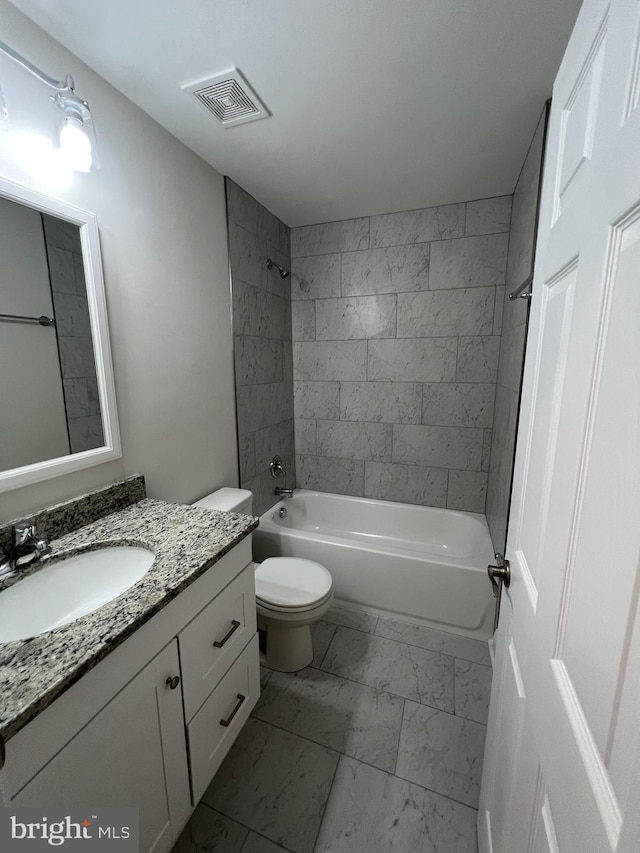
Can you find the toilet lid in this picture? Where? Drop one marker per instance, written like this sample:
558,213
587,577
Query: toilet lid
292,582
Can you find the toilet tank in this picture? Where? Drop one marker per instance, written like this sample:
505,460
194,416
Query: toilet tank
228,500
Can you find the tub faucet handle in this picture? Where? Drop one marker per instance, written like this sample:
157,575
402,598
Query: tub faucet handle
277,468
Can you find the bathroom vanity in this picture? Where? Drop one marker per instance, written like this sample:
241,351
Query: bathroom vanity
137,704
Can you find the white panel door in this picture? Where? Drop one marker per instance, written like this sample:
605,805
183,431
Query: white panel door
562,764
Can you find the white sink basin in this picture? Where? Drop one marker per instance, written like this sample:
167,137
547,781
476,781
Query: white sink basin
70,588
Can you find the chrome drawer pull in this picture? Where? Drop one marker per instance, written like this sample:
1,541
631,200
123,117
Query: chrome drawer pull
227,722
234,627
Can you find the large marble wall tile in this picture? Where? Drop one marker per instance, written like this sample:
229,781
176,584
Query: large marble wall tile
382,402
458,404
277,439
244,210
345,236
514,311
85,433
305,431
488,215
467,491
354,440
72,315
317,399
247,256
330,360
435,313
472,690
76,358
511,358
208,831
486,448
62,270
253,405
407,671
411,484
441,752
439,447
478,358
437,641
275,783
260,313
315,277
348,717
502,452
257,360
247,456
498,310
418,226
356,317
469,262
281,400
76,397
391,270
338,476
370,811
287,363
303,321
413,360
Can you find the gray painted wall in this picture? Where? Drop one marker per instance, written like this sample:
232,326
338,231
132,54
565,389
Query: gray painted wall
261,303
511,357
396,324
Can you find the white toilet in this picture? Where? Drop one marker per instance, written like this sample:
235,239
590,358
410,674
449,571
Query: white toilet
291,594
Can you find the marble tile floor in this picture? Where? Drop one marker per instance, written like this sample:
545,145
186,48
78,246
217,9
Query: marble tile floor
376,746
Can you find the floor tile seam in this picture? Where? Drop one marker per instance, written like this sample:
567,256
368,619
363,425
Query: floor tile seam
326,803
395,763
266,838
433,791
350,628
417,784
388,692
475,662
402,643
319,666
435,651
323,745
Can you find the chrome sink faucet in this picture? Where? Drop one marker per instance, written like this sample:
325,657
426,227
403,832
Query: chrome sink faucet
26,548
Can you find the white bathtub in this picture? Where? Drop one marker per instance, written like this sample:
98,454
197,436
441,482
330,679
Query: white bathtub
427,564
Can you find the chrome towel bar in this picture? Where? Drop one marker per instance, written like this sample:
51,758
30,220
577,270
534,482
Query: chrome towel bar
43,320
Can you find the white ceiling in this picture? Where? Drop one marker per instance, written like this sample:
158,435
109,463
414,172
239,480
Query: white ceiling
377,105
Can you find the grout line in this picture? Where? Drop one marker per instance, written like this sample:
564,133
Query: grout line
395,765
324,810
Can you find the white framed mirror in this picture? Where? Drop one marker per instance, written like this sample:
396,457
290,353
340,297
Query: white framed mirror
57,394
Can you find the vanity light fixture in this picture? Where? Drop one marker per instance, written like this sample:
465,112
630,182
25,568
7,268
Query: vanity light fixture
75,134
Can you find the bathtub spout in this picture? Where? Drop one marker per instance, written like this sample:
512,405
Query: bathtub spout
280,492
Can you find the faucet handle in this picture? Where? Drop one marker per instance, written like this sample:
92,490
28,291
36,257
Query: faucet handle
24,531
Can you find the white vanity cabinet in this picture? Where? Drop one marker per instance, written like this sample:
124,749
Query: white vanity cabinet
166,699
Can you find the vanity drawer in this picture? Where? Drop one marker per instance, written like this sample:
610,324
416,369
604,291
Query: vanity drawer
217,724
210,642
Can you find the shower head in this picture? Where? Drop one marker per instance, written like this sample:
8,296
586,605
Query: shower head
271,264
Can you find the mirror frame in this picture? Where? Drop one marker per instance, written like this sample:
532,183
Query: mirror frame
26,475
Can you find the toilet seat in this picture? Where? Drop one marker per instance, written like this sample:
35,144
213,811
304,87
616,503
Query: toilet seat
291,584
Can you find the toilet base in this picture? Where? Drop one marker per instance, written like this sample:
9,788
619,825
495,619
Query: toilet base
288,649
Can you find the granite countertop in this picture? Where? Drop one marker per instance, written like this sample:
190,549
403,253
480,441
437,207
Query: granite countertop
186,542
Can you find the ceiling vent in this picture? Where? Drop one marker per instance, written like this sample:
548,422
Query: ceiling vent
229,97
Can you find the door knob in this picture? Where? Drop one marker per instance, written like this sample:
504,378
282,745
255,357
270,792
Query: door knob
173,682
498,574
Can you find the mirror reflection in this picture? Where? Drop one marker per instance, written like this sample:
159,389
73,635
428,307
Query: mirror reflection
50,405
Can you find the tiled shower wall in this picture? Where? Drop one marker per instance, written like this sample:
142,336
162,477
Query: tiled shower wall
514,327
396,329
73,330
261,304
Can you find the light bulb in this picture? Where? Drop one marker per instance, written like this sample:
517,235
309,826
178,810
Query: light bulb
75,145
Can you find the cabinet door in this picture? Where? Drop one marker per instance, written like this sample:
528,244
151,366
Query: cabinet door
132,753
